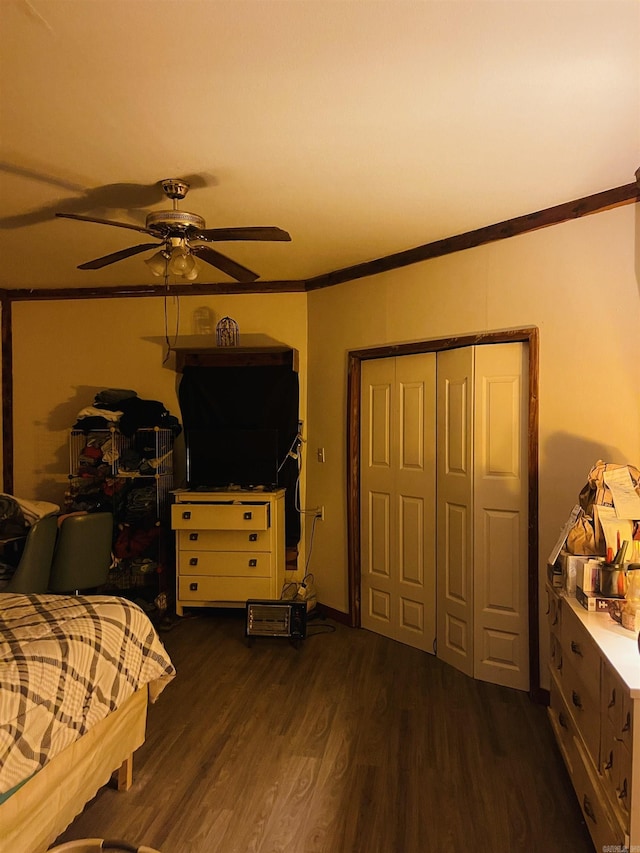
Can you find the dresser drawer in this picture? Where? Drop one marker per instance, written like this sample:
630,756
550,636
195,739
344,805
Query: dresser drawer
584,707
601,821
554,612
225,563
555,652
580,652
224,540
223,516
615,767
563,725
618,706
198,589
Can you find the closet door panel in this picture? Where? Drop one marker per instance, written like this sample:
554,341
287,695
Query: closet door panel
501,516
454,508
398,498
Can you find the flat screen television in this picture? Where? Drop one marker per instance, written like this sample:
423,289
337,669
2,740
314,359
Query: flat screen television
224,458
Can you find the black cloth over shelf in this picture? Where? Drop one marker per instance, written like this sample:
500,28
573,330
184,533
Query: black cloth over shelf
248,398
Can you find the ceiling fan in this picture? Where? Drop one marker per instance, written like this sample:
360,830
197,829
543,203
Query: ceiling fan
181,234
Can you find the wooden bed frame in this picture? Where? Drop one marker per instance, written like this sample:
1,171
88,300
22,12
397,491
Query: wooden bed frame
44,806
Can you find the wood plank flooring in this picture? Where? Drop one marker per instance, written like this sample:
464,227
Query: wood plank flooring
352,743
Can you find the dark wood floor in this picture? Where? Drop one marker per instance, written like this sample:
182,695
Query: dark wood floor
351,744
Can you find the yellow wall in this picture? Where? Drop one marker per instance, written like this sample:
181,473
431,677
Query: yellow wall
577,282
66,351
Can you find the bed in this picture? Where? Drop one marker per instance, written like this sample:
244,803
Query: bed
76,674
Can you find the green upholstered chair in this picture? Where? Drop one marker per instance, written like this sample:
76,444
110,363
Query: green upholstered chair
82,554
34,566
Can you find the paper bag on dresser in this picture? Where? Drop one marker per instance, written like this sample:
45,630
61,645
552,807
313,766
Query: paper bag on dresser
586,537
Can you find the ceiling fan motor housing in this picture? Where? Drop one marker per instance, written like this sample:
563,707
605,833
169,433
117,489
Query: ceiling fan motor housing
173,220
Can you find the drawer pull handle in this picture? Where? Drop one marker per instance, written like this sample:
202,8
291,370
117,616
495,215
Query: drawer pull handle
186,515
560,664
575,698
248,516
612,701
193,537
609,764
555,618
627,725
623,793
193,587
575,648
253,537
588,808
193,561
253,563
562,720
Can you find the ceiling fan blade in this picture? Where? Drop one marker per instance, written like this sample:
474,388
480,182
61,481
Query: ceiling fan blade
253,233
104,261
104,222
225,264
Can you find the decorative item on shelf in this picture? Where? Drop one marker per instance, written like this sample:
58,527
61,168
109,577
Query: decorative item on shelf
203,321
227,333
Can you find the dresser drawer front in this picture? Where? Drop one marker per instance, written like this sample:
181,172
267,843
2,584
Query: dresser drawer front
554,612
605,829
204,589
585,709
563,725
226,516
615,768
225,563
224,540
579,652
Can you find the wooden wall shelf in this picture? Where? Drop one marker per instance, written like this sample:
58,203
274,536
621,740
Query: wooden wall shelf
252,351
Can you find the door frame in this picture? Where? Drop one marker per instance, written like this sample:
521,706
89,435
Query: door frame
530,336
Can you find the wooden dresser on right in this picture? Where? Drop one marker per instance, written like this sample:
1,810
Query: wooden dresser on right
595,715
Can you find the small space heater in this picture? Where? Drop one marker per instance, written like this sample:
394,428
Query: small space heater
266,618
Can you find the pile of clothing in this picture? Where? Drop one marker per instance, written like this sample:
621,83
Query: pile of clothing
122,408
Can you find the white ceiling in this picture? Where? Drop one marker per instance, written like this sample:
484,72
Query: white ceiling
361,127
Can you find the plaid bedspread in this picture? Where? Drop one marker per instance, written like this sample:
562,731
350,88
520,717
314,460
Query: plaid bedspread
66,662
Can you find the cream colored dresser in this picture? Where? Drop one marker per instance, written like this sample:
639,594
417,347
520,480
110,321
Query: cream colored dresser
230,547
595,714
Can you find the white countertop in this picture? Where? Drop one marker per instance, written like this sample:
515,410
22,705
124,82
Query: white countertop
617,644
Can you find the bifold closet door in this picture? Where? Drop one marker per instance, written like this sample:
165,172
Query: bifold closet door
501,516
398,498
482,513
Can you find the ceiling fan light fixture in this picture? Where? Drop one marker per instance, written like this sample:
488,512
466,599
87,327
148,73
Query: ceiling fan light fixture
192,273
181,261
157,263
